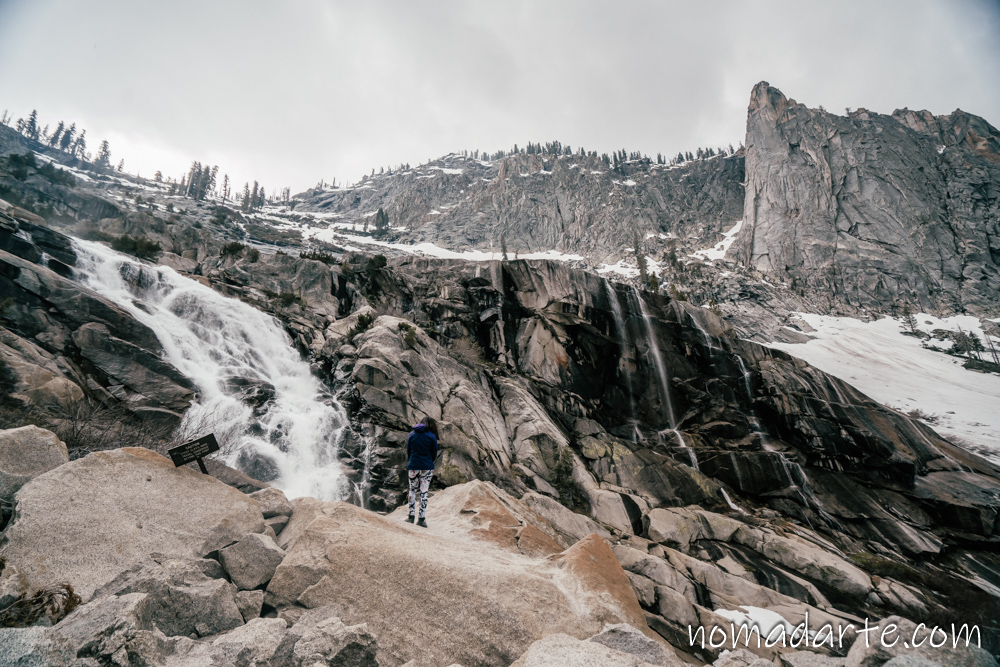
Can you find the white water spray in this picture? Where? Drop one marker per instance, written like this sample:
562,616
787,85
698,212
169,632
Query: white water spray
212,339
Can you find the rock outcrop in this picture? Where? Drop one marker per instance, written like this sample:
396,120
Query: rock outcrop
26,453
486,579
86,522
573,203
65,343
873,209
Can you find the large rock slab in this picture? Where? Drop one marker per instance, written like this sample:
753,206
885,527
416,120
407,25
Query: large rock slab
569,526
481,600
322,638
561,650
138,368
625,638
182,599
679,526
88,521
26,453
251,561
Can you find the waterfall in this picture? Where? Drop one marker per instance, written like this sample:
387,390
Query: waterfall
793,471
753,410
704,334
623,344
661,373
221,345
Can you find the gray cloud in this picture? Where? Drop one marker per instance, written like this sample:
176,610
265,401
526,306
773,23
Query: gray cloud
289,93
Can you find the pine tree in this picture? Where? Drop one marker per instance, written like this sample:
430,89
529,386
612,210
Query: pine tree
193,176
908,319
225,188
253,198
80,146
503,246
104,155
31,125
640,258
121,165
67,138
245,199
56,134
158,177
381,222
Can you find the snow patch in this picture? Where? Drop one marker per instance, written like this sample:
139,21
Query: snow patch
898,371
718,251
448,171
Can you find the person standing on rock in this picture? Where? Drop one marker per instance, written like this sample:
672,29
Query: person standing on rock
421,450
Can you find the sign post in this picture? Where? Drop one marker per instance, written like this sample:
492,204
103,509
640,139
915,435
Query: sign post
194,450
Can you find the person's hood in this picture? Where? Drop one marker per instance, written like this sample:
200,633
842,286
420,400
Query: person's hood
420,428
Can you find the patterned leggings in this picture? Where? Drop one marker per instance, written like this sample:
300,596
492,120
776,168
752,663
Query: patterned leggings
420,482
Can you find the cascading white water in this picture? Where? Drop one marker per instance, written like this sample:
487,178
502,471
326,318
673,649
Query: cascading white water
661,373
212,340
623,344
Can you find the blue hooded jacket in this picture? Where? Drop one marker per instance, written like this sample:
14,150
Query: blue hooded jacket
421,448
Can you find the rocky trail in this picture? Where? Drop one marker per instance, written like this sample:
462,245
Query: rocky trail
619,467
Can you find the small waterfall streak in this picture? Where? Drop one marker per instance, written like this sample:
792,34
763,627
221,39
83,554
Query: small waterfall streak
732,505
361,488
661,374
623,345
212,340
704,333
753,410
793,471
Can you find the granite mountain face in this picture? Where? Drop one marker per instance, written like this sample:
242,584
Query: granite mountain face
876,209
854,213
572,203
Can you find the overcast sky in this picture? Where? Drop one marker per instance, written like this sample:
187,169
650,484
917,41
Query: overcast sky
292,92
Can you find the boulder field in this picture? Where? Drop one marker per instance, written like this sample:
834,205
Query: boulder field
173,567
158,565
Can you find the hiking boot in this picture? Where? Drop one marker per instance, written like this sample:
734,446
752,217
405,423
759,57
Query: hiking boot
421,522
409,519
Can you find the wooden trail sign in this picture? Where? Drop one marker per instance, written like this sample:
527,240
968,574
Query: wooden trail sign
194,450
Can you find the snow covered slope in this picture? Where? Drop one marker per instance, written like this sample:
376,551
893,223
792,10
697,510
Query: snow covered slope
898,371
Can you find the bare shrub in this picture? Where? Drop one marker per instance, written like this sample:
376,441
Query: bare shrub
228,432
919,414
26,610
90,426
466,351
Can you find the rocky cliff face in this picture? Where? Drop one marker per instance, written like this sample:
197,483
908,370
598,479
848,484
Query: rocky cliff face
64,343
875,209
616,403
572,203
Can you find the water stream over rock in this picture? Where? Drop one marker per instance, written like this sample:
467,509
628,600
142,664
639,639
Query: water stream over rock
273,418
661,374
623,344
